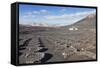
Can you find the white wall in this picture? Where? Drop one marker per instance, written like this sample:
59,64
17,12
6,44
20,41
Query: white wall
5,34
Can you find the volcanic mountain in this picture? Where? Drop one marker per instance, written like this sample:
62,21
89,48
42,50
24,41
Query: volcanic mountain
87,22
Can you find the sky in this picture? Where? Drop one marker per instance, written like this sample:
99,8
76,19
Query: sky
52,15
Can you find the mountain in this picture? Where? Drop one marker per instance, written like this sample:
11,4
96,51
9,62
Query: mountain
27,29
40,24
86,23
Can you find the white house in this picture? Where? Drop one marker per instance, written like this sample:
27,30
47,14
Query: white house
73,28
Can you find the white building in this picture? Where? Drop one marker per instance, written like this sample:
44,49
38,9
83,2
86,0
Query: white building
73,28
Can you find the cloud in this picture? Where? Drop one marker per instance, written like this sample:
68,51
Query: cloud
67,19
59,19
69,15
35,12
28,13
38,12
63,10
29,16
43,11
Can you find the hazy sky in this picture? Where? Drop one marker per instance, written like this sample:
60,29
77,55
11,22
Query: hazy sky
52,15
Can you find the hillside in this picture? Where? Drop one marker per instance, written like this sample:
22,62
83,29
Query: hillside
88,22
38,44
